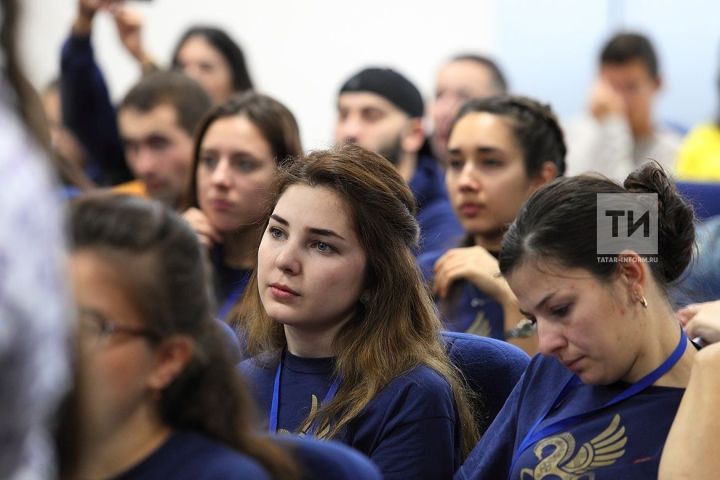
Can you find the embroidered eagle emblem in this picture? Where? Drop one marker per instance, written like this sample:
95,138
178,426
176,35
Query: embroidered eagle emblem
601,451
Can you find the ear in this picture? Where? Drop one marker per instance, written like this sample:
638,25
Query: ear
413,135
548,172
171,357
633,274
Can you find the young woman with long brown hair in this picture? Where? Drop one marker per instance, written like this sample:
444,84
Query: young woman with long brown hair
238,146
345,336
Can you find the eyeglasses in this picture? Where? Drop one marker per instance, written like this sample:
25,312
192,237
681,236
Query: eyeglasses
95,327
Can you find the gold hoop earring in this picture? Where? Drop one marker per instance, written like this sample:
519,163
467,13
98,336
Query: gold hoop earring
643,302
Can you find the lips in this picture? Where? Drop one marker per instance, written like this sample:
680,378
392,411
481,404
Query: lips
282,292
220,205
470,209
573,364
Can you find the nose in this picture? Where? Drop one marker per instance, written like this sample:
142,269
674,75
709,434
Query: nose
143,161
468,181
288,259
348,130
220,176
550,338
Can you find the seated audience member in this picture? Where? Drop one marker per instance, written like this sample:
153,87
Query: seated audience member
381,110
699,157
66,152
206,54
153,127
599,401
238,147
619,132
34,314
157,394
213,59
462,78
501,149
345,335
157,119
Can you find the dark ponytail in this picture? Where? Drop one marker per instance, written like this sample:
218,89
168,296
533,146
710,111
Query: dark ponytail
676,234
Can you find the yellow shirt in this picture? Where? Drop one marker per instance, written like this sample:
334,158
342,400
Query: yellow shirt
134,187
699,158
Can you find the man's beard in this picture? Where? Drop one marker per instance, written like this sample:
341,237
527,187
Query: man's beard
392,152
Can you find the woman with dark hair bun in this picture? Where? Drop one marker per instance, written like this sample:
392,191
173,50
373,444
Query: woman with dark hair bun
211,57
599,400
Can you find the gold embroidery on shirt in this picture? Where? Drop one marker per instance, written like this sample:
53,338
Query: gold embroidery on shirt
601,451
314,407
480,326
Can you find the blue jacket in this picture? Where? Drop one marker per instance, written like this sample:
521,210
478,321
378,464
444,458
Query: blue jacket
89,114
439,228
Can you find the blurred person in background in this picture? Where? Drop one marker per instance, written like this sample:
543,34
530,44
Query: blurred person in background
34,311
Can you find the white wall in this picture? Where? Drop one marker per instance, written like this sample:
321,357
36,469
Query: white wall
301,51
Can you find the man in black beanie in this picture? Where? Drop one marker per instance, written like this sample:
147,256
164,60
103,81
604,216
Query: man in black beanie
381,110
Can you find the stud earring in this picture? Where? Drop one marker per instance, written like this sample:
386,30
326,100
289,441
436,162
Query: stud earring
643,302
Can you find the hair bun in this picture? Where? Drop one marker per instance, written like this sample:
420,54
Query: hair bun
676,232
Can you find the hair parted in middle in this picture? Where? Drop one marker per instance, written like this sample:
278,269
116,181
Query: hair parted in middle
395,328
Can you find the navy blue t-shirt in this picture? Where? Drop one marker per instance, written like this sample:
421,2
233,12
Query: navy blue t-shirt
409,430
623,441
191,456
471,310
230,283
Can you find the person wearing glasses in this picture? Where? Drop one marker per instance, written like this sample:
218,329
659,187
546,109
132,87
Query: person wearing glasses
156,393
599,400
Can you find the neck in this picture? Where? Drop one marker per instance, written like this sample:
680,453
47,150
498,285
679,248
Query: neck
658,348
117,449
490,243
312,343
239,248
407,164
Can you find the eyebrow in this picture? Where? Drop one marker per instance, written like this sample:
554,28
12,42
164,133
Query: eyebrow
540,304
317,231
481,150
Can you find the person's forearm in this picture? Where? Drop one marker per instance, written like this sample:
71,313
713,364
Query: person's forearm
691,448
82,26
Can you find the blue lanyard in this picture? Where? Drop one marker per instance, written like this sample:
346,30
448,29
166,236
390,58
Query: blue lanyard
275,405
533,436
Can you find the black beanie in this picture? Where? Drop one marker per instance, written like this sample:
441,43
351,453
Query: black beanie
390,85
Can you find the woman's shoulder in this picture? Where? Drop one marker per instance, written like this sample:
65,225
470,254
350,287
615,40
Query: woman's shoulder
215,460
420,392
190,455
